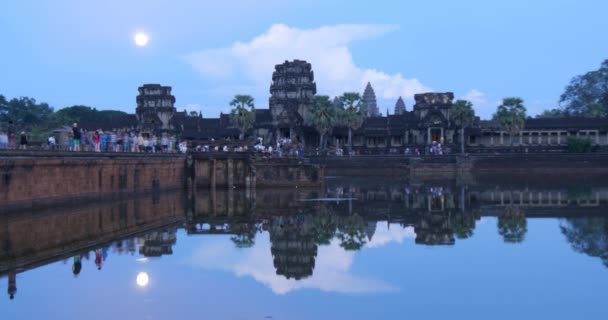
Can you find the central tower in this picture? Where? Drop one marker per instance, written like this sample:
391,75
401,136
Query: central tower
291,95
155,108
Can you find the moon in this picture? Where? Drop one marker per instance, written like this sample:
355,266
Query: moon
141,39
142,279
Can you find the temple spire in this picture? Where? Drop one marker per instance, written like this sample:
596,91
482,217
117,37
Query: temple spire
369,101
400,106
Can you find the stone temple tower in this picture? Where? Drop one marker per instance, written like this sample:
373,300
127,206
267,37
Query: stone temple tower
400,106
291,95
155,108
369,100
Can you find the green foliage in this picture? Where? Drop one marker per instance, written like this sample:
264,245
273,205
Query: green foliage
552,113
512,225
579,145
243,113
511,115
588,235
324,116
462,114
587,95
79,113
351,232
25,112
352,113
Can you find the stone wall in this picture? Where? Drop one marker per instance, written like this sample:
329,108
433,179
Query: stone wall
244,170
32,236
30,179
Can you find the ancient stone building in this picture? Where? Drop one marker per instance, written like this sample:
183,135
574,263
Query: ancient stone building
291,95
155,108
369,101
399,106
293,248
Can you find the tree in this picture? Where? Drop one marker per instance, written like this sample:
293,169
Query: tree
324,118
587,95
79,113
352,114
25,112
511,115
351,232
552,113
512,225
462,115
193,113
588,235
243,114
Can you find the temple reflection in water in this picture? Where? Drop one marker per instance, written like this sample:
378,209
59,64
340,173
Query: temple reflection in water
298,222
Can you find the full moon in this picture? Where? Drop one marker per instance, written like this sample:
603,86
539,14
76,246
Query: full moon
142,279
141,39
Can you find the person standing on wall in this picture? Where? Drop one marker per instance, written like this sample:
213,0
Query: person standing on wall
76,135
23,142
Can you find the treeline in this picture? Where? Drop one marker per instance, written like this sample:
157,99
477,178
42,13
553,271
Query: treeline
39,118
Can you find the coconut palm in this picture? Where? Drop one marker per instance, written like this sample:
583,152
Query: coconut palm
324,118
462,115
352,114
511,115
243,114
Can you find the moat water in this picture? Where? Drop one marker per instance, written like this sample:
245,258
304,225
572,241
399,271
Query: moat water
354,249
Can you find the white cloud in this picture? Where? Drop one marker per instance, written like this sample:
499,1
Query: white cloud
331,273
326,48
385,235
476,97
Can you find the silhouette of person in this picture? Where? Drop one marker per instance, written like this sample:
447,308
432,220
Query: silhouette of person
98,258
76,266
12,285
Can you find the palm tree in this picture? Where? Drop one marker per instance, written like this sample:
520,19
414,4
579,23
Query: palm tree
243,114
353,114
324,118
512,225
511,115
462,115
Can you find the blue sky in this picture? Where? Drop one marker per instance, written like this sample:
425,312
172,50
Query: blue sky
82,52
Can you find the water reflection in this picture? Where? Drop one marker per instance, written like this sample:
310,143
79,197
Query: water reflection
293,239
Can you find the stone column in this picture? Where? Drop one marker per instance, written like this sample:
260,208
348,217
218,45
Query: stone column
491,138
521,138
501,138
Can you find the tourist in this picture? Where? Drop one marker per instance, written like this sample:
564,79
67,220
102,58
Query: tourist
3,140
119,141
98,258
76,136
23,141
140,142
417,152
77,266
11,135
407,152
134,146
164,142
113,139
51,142
126,142
86,139
104,141
225,148
97,141
183,146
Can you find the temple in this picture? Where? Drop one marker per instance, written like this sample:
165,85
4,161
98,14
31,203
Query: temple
288,118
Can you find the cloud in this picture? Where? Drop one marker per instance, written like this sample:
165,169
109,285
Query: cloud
326,48
385,235
331,273
476,97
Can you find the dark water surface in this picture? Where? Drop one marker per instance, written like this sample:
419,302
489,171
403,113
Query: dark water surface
355,249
